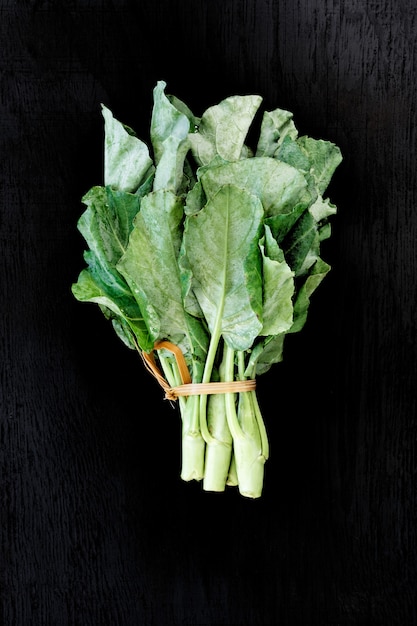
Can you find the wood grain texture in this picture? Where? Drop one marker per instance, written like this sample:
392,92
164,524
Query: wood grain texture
96,526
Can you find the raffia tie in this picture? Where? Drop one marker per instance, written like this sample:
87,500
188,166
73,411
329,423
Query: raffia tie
188,388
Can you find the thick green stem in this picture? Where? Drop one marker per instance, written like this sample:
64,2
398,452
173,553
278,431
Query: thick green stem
219,450
257,411
248,451
193,444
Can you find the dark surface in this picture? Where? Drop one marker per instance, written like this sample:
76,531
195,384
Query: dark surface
96,526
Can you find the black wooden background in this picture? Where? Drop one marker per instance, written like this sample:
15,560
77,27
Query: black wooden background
96,526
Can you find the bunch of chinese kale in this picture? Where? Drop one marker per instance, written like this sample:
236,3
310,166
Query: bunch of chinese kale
214,247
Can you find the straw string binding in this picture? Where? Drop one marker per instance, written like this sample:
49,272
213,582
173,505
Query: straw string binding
188,388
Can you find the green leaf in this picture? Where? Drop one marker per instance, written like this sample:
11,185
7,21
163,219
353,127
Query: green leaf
149,263
321,209
278,288
290,152
278,185
316,274
324,158
121,328
183,108
107,222
126,158
150,267
190,301
169,135
267,353
282,223
147,184
223,128
302,244
217,241
106,225
92,286
275,127
195,199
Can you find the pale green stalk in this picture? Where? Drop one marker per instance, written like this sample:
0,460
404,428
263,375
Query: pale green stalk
250,460
256,409
193,444
218,451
